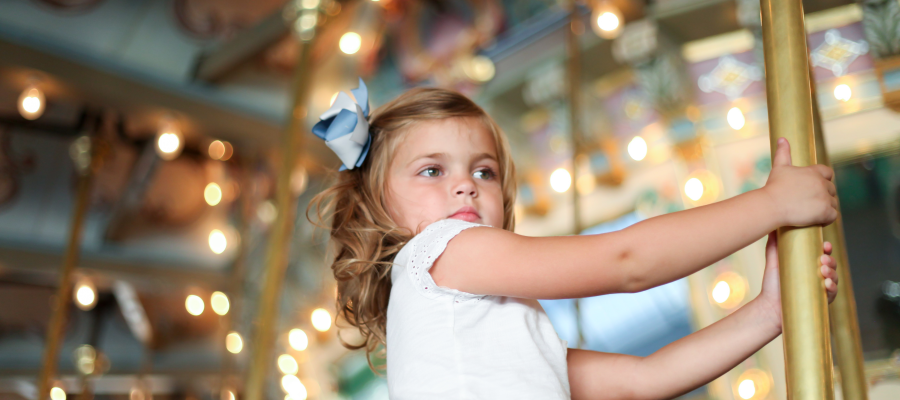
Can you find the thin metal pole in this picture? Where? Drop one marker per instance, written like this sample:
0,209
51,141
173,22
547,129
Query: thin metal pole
55,331
276,262
844,322
805,307
231,320
573,50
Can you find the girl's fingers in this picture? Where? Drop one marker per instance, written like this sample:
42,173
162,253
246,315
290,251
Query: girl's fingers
829,274
828,261
830,285
827,247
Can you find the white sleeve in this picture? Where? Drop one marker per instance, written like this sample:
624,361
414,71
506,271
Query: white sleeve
427,247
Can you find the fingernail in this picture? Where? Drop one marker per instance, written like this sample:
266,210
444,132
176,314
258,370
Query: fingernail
828,282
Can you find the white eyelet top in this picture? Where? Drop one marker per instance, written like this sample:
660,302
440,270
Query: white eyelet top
446,344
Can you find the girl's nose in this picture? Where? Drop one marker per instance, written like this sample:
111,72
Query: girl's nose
465,187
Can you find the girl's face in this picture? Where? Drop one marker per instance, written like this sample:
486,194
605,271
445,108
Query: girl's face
445,168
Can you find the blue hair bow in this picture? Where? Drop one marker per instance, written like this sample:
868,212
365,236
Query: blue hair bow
345,129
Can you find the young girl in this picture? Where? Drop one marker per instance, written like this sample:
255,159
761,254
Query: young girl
427,263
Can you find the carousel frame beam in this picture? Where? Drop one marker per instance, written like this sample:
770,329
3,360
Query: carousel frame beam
107,81
226,57
42,261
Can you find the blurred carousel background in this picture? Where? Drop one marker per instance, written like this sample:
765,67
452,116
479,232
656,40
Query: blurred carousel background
155,171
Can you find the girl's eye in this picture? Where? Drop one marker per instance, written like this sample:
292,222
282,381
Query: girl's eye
430,171
484,174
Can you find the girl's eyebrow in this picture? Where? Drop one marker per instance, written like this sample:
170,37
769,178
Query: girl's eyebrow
477,157
432,155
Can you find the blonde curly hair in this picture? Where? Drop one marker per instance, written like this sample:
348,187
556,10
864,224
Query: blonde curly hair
364,238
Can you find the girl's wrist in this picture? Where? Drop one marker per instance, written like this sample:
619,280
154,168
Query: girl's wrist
769,203
768,313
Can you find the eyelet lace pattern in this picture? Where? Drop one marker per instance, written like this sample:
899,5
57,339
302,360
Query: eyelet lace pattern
427,246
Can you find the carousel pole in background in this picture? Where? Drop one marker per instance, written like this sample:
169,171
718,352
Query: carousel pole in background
86,169
844,322
807,342
231,320
573,80
276,262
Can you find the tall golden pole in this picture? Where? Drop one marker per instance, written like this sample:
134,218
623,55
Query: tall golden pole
844,322
55,329
276,262
805,306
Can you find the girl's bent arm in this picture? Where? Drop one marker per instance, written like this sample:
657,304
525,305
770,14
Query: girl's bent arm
644,255
678,368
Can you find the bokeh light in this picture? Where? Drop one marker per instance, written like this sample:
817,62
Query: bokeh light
212,194
842,92
85,295
293,387
321,319
217,241
219,302
637,148
57,393
233,342
560,180
31,103
735,118
693,189
298,339
350,43
194,305
287,364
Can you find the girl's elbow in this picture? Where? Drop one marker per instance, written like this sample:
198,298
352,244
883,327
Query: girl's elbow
634,278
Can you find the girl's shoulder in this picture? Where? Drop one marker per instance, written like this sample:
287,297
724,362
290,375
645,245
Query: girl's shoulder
420,253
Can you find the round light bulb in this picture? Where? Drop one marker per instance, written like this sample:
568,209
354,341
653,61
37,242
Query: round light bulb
85,295
321,320
31,103
293,387
298,339
233,342
169,143
217,241
721,292
57,393
194,305
637,148
212,194
608,21
560,180
693,188
216,150
350,43
746,389
735,118
842,92
287,364
219,302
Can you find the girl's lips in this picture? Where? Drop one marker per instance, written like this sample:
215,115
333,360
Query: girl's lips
466,214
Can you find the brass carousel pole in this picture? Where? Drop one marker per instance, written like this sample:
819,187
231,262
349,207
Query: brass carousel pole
573,51
844,322
55,329
231,320
276,262
805,307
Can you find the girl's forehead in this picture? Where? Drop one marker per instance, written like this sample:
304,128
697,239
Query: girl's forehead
446,134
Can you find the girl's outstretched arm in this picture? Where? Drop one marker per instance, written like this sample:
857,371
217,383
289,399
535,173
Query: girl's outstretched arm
644,255
696,359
